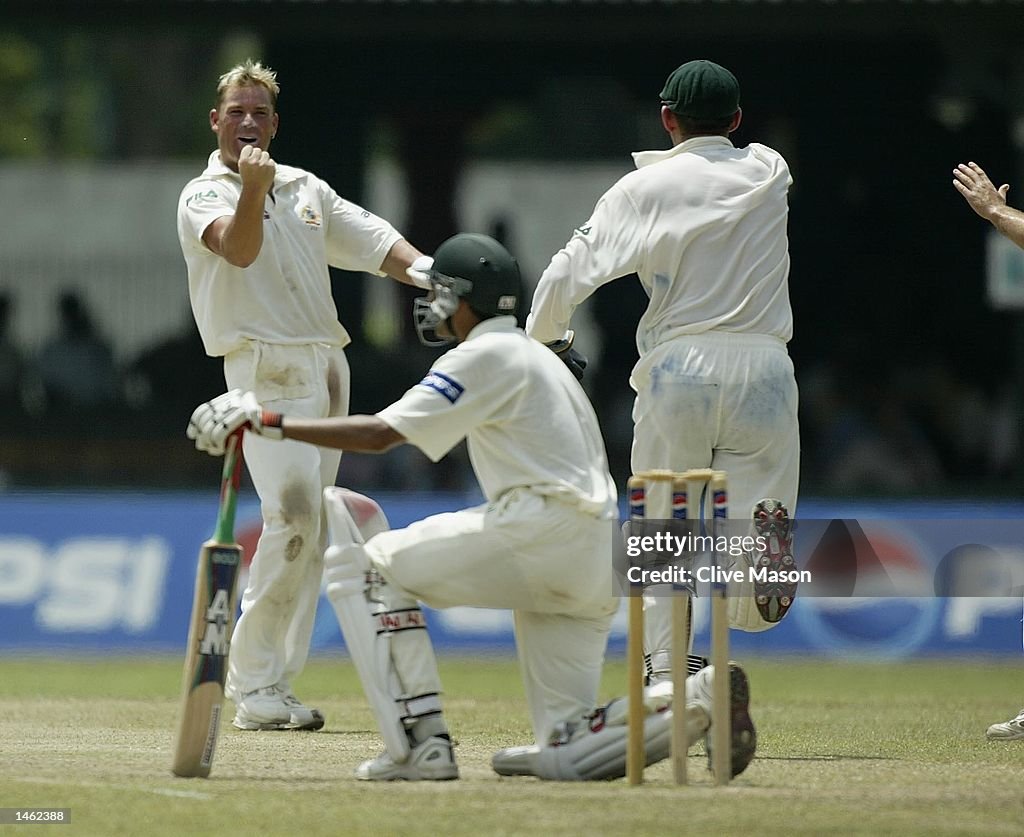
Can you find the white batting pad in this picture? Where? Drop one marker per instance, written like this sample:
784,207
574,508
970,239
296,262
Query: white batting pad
352,517
601,753
345,566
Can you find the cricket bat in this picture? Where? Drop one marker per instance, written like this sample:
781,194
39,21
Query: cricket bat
210,628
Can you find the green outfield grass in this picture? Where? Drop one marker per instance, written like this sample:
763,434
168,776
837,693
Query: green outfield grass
844,749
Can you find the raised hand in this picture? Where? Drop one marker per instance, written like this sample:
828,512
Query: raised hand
978,190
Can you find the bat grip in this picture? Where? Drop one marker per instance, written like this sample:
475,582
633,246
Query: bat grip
231,478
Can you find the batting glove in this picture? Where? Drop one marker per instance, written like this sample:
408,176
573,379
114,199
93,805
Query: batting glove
576,361
214,421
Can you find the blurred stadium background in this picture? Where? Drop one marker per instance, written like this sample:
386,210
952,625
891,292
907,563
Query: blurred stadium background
509,118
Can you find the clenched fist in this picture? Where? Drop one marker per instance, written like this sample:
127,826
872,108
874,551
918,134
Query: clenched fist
256,168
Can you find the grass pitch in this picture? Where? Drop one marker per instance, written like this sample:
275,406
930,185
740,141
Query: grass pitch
844,749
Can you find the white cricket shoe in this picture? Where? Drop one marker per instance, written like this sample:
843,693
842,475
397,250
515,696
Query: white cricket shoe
1012,730
275,708
431,759
516,761
743,735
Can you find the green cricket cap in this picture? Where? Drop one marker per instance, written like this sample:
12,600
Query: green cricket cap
702,90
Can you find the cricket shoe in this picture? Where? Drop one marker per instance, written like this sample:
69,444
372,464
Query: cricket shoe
743,736
432,759
587,749
593,746
516,761
772,596
694,663
1012,730
274,708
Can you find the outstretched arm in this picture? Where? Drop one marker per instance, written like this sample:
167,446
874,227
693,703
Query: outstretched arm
989,202
214,421
359,434
399,259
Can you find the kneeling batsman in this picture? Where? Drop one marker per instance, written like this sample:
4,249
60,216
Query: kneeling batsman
541,546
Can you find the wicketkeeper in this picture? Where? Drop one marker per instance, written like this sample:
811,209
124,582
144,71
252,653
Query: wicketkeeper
703,225
541,545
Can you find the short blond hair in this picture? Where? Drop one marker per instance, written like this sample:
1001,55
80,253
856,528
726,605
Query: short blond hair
248,73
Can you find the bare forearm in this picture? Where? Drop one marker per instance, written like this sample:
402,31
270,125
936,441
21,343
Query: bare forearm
399,257
240,237
1010,222
981,194
360,434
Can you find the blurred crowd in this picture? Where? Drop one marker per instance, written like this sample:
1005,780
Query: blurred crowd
906,428
883,421
74,382
910,429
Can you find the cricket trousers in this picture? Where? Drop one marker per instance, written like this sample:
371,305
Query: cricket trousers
544,559
271,640
725,401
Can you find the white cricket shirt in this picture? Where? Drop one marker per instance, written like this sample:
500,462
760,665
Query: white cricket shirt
285,295
527,420
703,225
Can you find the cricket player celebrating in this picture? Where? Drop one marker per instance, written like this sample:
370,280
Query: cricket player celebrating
540,546
981,194
258,238
704,226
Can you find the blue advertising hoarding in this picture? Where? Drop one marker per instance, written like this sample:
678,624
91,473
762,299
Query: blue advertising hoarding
111,572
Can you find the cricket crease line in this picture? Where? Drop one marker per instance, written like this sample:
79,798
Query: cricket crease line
40,780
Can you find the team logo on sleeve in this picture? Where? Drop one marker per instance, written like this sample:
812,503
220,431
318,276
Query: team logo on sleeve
439,382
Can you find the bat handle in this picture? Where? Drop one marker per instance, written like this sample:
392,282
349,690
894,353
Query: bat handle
231,479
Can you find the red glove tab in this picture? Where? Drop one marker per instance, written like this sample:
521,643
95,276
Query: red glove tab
270,424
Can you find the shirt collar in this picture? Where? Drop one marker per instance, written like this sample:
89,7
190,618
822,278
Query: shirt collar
647,158
492,324
216,168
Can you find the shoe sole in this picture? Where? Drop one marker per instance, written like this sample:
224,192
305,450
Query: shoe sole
516,761
1004,736
427,767
317,722
774,599
419,777
743,736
